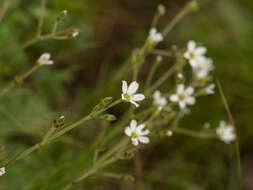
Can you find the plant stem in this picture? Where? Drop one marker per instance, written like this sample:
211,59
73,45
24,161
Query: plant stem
41,19
237,146
20,79
191,133
151,74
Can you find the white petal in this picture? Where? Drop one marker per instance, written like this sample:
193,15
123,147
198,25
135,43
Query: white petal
174,98
45,56
190,100
200,51
135,142
145,132
156,94
133,88
187,55
124,86
128,131
191,45
123,97
189,91
182,104
180,88
143,139
140,127
134,103
133,125
138,97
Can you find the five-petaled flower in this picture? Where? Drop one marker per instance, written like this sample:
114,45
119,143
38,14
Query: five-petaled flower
159,100
136,133
225,132
44,59
183,96
154,36
129,93
193,52
2,171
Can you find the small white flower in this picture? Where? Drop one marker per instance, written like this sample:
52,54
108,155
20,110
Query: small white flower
129,93
65,12
161,9
2,171
159,58
226,132
159,100
136,133
44,59
75,34
169,133
183,96
202,67
180,76
193,52
154,36
210,89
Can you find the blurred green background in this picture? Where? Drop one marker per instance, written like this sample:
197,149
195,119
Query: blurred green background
82,74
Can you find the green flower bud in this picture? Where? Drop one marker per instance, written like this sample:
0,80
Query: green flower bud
59,122
126,155
62,16
128,178
108,117
18,80
193,5
106,101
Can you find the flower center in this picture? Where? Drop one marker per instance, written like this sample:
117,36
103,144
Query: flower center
126,96
181,96
133,135
191,54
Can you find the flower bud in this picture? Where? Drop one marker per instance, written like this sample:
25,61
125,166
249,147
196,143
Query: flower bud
62,16
18,80
193,5
108,117
126,155
59,122
106,101
161,9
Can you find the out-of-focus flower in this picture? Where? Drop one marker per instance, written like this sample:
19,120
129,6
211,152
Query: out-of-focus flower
2,171
136,133
210,89
129,93
226,132
154,36
159,100
183,96
169,133
202,67
44,59
161,9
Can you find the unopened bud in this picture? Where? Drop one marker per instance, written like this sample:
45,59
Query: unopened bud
193,5
106,101
59,122
108,117
18,80
127,155
62,16
161,9
73,32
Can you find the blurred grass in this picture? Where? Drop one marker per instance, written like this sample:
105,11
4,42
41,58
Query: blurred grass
82,75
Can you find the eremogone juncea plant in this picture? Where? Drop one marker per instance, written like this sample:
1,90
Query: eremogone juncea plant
152,113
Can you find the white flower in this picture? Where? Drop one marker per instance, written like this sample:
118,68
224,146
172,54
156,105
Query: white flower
44,59
183,96
159,100
169,133
210,89
2,171
161,9
202,67
137,133
180,76
75,34
129,93
154,36
193,52
65,12
226,132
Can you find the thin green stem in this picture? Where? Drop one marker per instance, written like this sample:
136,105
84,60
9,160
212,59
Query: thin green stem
17,80
54,27
237,146
48,134
192,133
151,74
176,19
4,9
41,19
161,52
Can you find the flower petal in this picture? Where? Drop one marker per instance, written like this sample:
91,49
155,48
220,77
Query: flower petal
180,88
134,103
135,142
190,100
128,131
200,51
191,45
174,98
138,97
182,104
133,124
124,86
143,139
189,91
133,88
